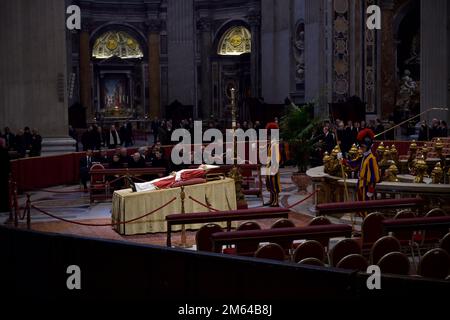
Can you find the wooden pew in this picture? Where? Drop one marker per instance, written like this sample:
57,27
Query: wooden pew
102,184
415,224
220,239
370,205
223,216
132,172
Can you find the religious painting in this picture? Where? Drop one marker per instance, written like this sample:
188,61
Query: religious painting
114,93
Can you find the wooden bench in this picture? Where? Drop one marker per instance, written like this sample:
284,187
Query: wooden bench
370,205
415,224
223,216
220,239
100,183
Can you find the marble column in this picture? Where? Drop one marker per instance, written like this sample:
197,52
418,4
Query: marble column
181,44
388,72
33,70
154,70
316,54
85,73
434,68
254,19
204,25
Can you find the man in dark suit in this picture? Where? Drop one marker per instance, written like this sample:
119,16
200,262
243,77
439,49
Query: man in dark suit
328,139
9,138
85,166
136,161
103,157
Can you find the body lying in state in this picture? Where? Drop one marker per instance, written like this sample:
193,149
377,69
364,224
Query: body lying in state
176,176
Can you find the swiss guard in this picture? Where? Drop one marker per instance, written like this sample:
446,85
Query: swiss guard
369,173
272,174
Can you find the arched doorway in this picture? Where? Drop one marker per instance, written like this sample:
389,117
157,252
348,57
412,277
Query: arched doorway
118,55
231,69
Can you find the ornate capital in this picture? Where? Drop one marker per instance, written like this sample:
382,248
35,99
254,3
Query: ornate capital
204,24
254,18
153,25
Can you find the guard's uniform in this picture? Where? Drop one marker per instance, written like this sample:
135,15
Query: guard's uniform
369,173
368,177
272,170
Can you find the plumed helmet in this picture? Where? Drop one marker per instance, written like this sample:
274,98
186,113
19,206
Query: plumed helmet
272,125
365,137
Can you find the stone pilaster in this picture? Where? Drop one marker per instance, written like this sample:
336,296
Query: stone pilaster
254,20
85,71
388,72
154,70
434,69
204,25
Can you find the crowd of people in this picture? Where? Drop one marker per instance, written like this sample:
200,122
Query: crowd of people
437,129
162,129
97,137
345,134
144,157
25,142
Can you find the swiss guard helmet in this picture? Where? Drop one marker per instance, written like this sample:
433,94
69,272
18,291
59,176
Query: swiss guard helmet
272,125
365,138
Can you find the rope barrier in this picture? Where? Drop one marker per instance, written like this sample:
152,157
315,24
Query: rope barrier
303,200
203,204
139,179
102,224
115,180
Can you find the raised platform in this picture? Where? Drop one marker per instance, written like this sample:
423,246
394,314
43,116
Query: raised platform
332,188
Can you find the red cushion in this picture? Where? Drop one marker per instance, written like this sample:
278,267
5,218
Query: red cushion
188,182
229,251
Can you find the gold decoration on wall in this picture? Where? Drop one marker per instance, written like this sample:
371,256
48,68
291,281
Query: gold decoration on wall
235,41
116,43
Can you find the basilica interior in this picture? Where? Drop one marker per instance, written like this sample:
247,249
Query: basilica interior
93,91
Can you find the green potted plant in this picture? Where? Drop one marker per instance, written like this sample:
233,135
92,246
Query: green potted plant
297,128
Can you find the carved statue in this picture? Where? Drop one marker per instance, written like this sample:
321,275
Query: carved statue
408,85
299,54
408,88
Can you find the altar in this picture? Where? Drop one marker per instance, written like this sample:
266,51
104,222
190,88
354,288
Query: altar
128,205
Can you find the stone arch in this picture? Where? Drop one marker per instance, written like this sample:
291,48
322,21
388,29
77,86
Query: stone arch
224,28
124,27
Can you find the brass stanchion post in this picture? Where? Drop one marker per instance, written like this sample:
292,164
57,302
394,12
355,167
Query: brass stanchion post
183,227
28,211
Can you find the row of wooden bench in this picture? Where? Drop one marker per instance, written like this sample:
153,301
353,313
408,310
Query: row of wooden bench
220,239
